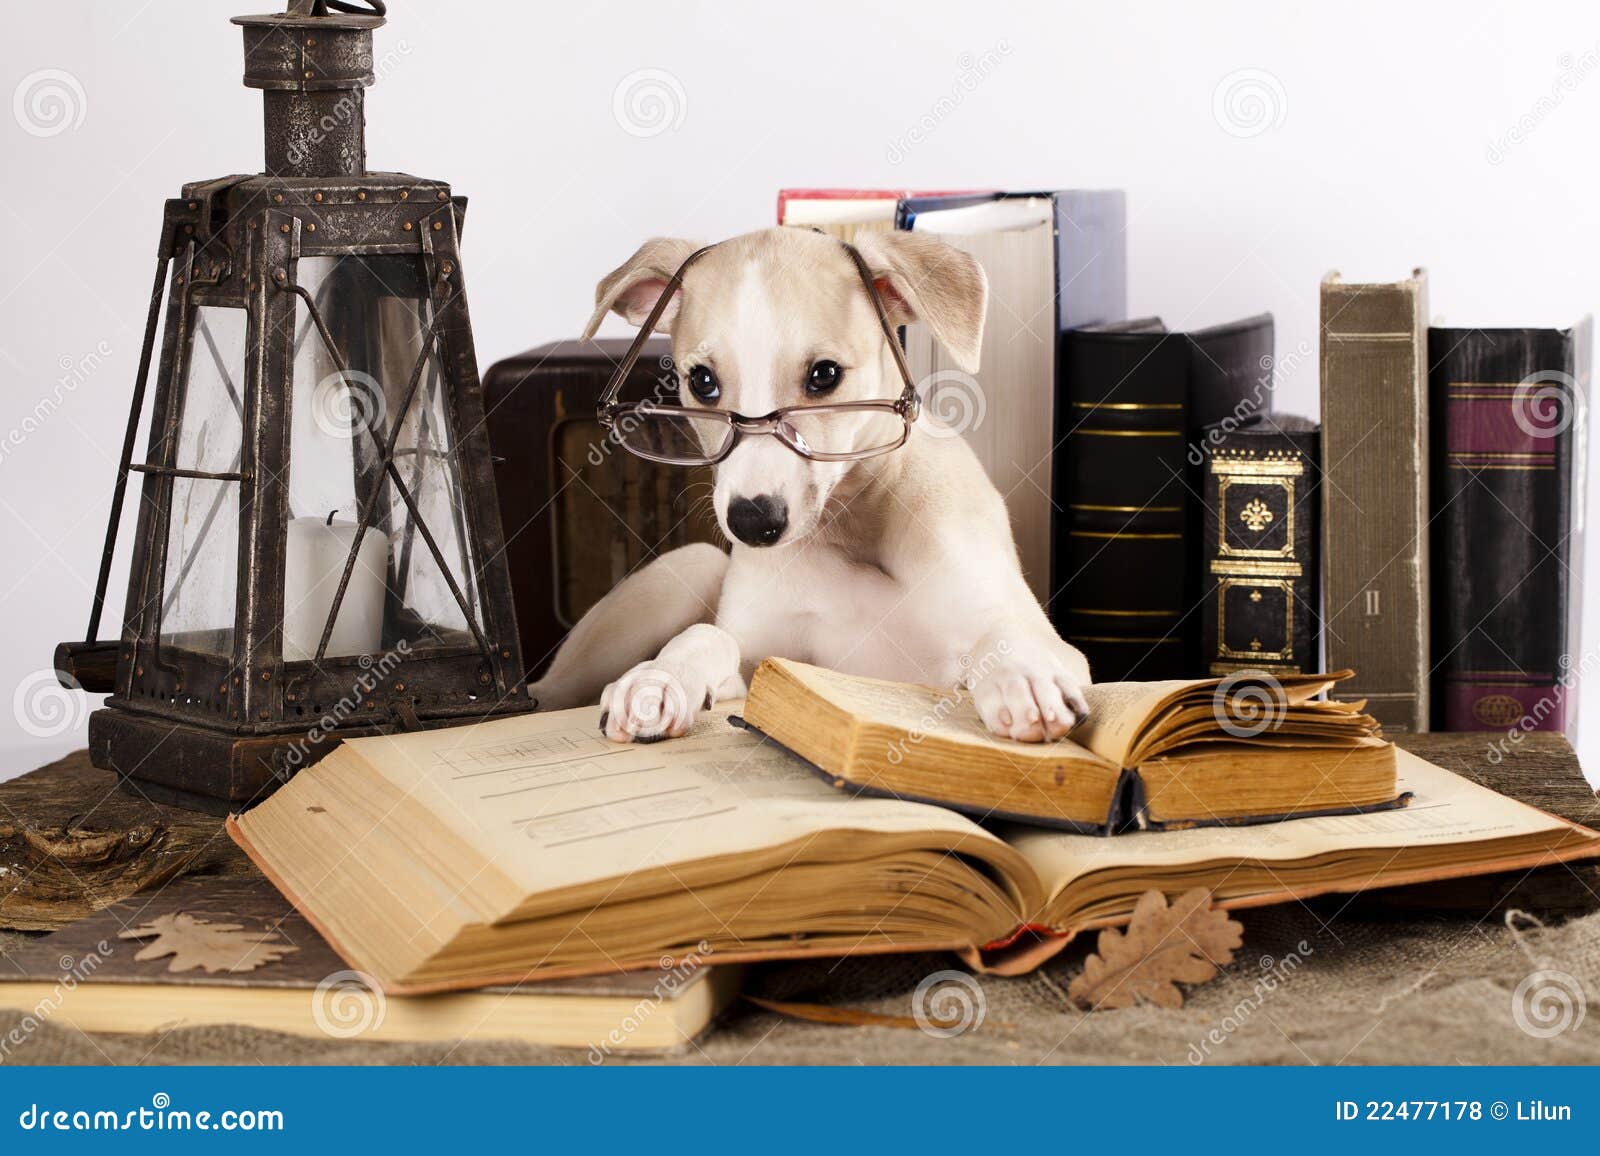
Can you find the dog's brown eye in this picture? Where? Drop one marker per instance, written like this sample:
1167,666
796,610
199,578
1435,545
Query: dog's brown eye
703,384
824,375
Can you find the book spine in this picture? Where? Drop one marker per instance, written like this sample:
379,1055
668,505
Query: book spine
1260,536
1091,288
1130,591
1375,495
1123,591
1507,414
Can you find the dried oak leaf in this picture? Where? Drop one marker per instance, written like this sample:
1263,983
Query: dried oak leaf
1162,947
213,947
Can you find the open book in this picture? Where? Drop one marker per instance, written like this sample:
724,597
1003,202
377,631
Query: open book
1150,754
531,847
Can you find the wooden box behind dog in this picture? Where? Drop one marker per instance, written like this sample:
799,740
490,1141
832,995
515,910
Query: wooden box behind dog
579,511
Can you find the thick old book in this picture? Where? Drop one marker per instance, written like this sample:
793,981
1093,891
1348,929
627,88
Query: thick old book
580,512
1181,753
1139,397
1054,261
531,847
232,950
1508,445
1375,493
1259,546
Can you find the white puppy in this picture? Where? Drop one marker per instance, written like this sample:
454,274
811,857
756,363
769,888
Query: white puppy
899,566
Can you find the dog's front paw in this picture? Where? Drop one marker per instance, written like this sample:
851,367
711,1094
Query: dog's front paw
1031,696
646,705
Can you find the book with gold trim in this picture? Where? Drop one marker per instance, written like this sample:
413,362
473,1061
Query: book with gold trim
1259,546
1130,593
1509,409
1375,493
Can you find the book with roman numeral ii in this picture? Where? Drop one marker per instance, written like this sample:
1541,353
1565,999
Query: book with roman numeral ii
1508,410
1375,494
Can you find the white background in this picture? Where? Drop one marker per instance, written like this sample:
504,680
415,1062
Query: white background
1462,137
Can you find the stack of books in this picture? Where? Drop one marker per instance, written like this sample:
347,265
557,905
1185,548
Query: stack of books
1453,505
1174,526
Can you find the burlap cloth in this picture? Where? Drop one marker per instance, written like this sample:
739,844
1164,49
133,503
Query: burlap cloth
1311,985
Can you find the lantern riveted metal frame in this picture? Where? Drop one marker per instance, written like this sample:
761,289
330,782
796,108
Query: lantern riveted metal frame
219,726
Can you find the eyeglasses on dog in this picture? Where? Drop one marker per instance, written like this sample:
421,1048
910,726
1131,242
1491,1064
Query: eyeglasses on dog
825,432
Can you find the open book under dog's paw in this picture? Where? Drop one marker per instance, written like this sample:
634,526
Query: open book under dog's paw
863,540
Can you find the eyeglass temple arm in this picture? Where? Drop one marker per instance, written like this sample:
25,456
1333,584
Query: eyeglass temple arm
631,358
909,393
608,398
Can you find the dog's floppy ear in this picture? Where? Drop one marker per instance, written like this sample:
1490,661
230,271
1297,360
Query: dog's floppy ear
920,279
634,287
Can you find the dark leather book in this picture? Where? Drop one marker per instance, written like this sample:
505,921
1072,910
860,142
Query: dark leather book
1507,478
1139,396
1260,539
1375,494
579,511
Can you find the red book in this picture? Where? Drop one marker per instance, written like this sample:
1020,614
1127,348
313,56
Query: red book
1508,409
844,212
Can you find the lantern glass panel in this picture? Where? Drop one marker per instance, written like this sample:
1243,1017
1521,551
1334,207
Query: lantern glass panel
377,313
202,554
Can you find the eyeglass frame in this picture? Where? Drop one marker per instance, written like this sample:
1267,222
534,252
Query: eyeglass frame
907,406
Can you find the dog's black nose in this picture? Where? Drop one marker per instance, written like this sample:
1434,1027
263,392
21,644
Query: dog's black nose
758,521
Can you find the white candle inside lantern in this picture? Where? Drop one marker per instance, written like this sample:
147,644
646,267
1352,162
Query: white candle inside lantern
316,551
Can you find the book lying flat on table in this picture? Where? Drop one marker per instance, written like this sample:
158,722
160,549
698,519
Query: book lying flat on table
1179,753
231,950
530,847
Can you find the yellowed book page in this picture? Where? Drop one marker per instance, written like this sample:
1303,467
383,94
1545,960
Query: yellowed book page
922,711
1123,715
1118,712
554,804
1447,809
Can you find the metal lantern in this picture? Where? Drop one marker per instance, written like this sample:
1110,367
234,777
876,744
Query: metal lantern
319,551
